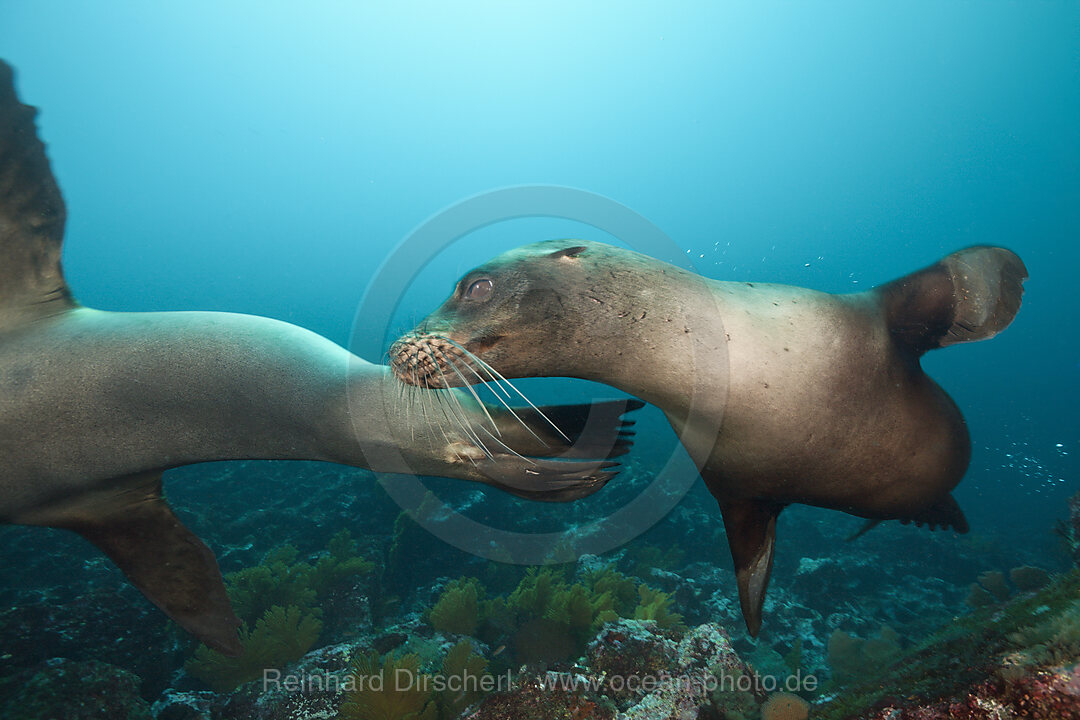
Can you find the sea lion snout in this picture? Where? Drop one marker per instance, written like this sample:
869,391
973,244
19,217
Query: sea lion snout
427,360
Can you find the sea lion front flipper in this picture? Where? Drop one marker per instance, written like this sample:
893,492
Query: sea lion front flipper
970,295
546,480
751,532
129,520
32,216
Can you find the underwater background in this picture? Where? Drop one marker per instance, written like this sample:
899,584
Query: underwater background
267,158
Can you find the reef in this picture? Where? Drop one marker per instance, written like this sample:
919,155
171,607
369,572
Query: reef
1019,659
652,630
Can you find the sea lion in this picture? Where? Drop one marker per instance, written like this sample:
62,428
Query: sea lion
95,405
820,398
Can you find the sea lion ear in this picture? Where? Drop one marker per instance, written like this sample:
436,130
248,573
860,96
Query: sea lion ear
568,252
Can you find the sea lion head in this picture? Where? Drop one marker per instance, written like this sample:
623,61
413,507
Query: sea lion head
532,311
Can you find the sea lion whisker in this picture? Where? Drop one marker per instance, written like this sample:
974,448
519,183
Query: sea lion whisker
480,363
462,418
442,429
527,400
470,360
457,411
466,423
469,355
509,408
453,366
425,405
407,397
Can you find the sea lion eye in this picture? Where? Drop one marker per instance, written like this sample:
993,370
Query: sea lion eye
479,289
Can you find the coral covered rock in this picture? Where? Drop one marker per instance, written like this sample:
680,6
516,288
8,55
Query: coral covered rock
626,653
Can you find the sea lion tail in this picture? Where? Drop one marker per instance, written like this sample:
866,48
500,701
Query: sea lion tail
970,295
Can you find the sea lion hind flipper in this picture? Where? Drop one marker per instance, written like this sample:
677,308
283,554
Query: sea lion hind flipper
970,295
32,214
750,526
945,514
131,522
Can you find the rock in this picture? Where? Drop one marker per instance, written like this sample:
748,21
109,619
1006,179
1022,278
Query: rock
631,655
62,689
1043,695
555,695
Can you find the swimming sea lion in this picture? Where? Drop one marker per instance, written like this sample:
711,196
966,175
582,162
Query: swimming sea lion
95,405
819,398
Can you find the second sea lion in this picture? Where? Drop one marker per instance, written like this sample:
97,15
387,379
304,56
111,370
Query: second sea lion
781,394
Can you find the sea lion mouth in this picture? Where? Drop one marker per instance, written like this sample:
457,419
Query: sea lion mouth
428,360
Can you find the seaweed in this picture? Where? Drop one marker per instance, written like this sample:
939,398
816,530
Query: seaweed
458,608
462,663
279,597
623,590
278,581
547,617
341,562
656,605
283,580
388,689
283,635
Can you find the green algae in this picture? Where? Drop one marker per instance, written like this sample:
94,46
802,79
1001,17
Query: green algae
388,689
282,580
458,608
656,605
282,636
395,688
278,603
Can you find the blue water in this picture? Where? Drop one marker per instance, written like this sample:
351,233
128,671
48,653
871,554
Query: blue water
267,157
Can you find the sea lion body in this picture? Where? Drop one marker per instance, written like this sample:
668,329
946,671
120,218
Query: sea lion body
94,406
86,393
781,394
817,394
